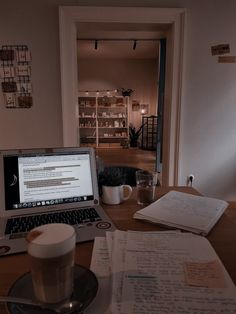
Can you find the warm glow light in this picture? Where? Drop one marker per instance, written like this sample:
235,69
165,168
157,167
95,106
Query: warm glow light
108,92
144,109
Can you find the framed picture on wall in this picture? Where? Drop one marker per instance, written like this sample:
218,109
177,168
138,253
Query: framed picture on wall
135,105
10,100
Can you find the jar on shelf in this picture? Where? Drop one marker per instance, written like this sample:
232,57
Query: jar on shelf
116,124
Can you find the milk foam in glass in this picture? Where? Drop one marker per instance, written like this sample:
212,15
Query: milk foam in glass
51,251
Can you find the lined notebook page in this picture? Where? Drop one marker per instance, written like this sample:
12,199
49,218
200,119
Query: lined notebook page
186,211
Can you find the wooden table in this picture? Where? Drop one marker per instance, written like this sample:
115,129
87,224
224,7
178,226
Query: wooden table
222,237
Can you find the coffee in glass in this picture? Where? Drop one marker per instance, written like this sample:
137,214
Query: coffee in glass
146,182
51,250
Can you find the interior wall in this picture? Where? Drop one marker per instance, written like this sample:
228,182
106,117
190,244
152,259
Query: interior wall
208,111
110,74
35,25
208,124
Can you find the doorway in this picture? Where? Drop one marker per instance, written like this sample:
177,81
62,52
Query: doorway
69,16
115,59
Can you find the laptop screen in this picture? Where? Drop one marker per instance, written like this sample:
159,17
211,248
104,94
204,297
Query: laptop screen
37,180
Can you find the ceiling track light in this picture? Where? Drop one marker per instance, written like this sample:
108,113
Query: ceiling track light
119,39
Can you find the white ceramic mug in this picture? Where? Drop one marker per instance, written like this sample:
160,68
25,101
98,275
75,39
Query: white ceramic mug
113,195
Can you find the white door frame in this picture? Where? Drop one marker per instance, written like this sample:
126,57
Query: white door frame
70,15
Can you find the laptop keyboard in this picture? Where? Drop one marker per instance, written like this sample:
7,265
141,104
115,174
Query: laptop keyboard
20,226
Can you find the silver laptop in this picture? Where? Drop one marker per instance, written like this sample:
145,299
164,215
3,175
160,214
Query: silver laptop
40,186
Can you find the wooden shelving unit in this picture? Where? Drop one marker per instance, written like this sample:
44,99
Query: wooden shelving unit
103,120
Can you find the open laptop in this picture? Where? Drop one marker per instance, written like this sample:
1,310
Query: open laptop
40,186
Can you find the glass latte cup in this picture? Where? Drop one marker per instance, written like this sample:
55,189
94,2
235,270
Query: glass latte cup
51,251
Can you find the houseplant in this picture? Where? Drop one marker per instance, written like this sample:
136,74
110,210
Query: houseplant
126,91
134,134
110,177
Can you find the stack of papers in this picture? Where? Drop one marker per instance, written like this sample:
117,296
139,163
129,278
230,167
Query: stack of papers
159,272
180,210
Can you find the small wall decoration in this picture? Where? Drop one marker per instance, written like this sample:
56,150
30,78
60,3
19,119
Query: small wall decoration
15,76
227,59
220,49
6,54
135,105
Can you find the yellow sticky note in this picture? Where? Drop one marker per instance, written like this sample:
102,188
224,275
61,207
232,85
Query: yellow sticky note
204,274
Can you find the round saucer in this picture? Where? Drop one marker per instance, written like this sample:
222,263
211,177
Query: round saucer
85,289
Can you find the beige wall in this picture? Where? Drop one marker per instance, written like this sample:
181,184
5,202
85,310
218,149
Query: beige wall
208,111
139,75
34,24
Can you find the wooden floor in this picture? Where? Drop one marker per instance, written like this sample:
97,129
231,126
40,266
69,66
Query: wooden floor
133,157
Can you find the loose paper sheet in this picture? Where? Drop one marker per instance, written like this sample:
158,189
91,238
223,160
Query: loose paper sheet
160,273
100,265
154,277
118,260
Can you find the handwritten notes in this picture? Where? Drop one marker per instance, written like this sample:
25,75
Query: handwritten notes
163,272
197,214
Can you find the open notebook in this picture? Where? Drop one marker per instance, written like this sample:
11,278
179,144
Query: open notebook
180,210
57,185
